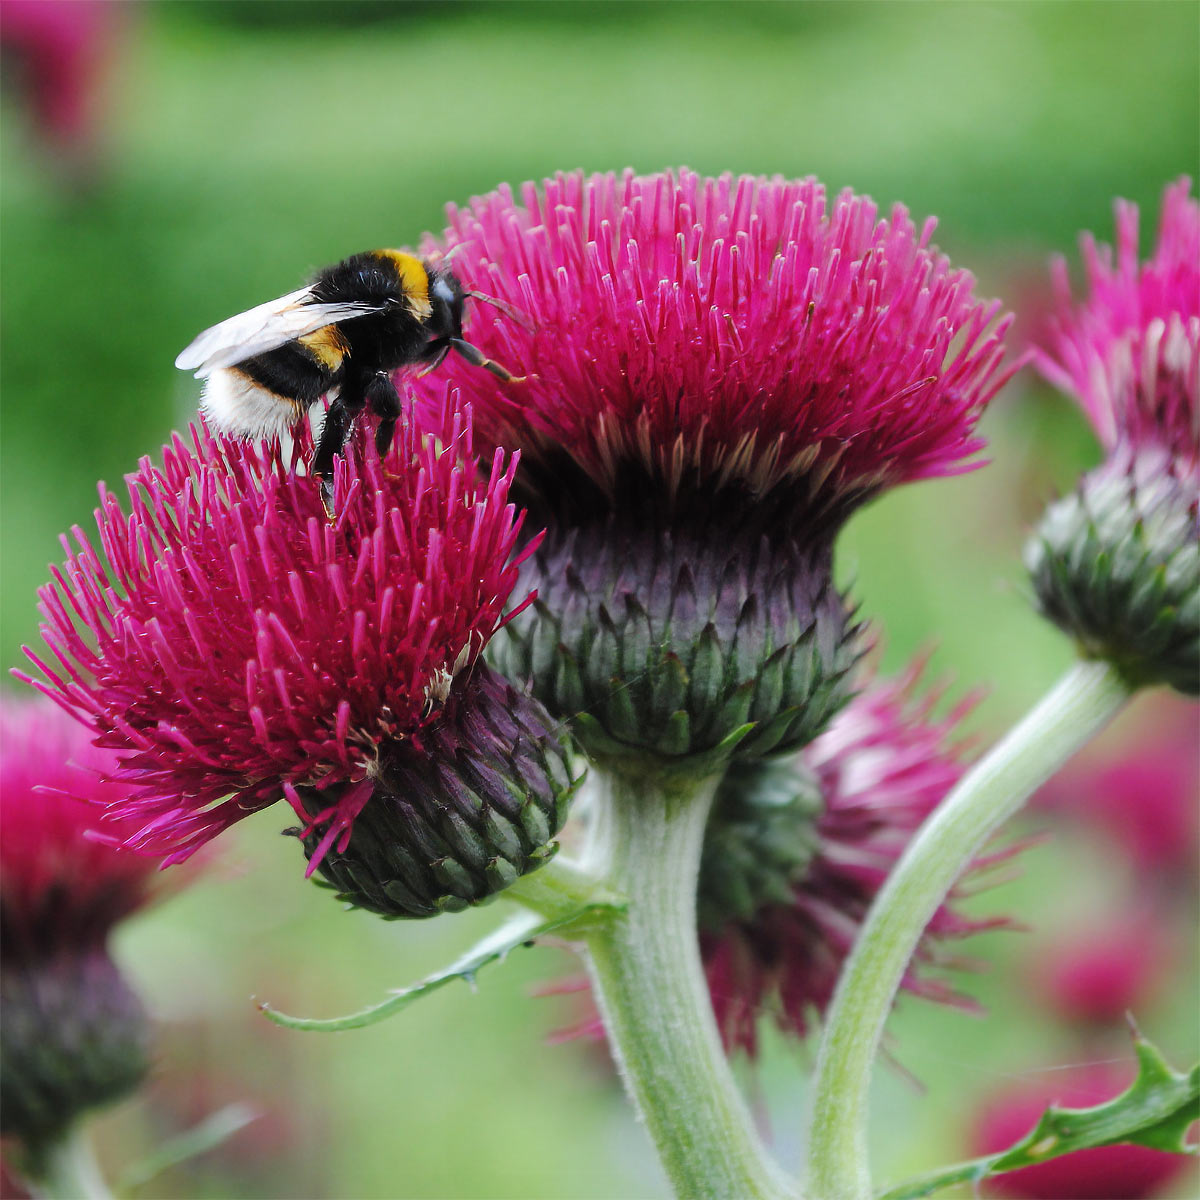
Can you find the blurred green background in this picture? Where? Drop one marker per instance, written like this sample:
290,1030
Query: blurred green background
245,144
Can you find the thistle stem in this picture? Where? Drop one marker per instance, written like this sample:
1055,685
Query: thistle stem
1077,707
66,1169
648,981
562,889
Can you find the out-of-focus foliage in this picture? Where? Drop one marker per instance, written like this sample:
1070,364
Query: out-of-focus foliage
247,144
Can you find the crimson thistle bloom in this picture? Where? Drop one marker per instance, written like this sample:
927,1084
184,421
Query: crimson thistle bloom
238,649
1116,563
75,1035
719,372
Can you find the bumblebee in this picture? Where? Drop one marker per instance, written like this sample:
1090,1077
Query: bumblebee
340,337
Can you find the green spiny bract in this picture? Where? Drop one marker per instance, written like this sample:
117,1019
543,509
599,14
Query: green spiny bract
1116,564
676,648
760,839
459,815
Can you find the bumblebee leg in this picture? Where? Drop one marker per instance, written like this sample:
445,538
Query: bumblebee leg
476,358
338,419
435,352
384,402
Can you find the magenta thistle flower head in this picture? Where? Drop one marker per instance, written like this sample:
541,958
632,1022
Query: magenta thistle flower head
718,372
235,648
75,1035
797,849
1102,1173
1116,563
1130,350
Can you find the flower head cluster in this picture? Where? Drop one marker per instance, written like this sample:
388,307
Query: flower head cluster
730,330
717,372
74,1033
1130,351
233,646
879,770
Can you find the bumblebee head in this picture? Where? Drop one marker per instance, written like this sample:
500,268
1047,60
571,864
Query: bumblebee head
447,298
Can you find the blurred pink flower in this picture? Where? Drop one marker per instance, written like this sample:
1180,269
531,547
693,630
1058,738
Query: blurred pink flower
63,52
1130,350
59,887
1142,792
75,1035
1102,1173
1095,975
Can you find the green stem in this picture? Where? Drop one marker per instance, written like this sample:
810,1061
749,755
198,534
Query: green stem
1075,709
66,1169
648,981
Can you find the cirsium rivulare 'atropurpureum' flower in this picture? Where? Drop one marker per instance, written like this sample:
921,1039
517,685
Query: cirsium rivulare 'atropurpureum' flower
861,790
1116,563
719,372
75,1035
235,648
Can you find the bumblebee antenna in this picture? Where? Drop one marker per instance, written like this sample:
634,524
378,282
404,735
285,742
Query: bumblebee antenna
507,309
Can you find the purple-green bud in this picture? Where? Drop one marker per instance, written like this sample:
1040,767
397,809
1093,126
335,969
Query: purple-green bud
680,646
760,839
75,1037
1116,564
459,815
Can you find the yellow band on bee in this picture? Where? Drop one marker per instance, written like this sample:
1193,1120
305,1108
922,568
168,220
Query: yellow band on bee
326,345
415,279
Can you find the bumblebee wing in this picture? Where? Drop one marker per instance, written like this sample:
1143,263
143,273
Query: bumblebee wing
264,328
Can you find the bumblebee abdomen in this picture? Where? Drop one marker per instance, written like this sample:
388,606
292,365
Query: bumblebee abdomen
235,403
270,393
298,370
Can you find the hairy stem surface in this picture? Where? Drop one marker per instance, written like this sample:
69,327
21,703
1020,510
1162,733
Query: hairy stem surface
648,980
67,1170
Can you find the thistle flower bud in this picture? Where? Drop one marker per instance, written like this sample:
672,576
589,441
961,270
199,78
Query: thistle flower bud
796,850
76,1037
458,819
1116,564
673,644
718,372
